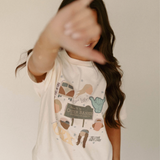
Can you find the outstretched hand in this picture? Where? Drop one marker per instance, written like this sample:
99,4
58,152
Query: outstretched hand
82,23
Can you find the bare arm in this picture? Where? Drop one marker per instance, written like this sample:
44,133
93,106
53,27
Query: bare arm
115,139
53,37
43,57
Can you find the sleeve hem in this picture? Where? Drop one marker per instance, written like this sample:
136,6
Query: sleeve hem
31,76
39,87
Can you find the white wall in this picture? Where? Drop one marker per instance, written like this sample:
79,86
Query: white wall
137,48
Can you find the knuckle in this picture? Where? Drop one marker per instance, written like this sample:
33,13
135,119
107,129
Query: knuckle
89,12
85,34
99,28
92,20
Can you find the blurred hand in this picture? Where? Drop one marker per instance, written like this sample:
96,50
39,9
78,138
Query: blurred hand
82,22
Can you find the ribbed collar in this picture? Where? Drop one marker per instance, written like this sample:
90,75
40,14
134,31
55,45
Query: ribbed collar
76,61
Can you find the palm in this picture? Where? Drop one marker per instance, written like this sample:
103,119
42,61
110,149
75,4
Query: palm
74,46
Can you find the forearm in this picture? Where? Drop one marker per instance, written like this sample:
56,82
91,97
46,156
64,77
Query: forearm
115,139
44,55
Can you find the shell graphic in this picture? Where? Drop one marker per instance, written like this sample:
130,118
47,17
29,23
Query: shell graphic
97,103
57,106
86,89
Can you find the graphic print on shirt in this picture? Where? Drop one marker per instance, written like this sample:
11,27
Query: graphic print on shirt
64,135
65,123
79,112
84,133
83,94
97,103
86,89
57,105
56,90
98,124
66,90
95,139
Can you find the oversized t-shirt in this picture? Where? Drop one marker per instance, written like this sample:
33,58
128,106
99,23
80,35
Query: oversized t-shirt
73,102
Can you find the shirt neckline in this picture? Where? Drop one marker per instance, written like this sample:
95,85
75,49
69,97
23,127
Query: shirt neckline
76,61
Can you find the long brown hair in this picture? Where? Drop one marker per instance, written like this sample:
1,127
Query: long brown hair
111,70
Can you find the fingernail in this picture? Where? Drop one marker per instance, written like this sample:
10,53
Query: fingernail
75,35
67,32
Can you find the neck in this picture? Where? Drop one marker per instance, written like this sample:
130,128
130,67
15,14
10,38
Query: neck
72,55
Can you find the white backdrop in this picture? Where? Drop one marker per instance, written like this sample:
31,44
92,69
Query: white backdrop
136,27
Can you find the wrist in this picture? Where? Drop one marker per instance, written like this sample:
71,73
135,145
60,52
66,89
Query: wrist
45,42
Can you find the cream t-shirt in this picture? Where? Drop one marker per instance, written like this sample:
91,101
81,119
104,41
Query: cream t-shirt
73,102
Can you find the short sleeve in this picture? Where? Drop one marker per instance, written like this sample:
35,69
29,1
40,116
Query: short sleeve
123,112
41,87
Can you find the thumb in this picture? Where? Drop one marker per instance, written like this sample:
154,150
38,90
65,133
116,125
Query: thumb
79,49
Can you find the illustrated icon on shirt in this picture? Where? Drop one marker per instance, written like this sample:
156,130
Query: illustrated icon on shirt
84,133
95,139
86,89
78,112
84,98
98,124
65,123
57,106
97,103
64,134
66,90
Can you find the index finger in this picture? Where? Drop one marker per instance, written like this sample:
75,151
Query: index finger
81,4
85,2
74,7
